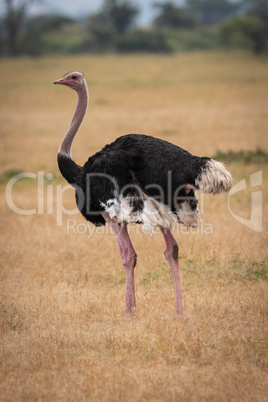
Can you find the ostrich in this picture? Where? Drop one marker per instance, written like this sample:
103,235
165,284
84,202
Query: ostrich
138,179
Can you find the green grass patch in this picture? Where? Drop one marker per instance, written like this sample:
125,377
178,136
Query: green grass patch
8,174
258,156
258,270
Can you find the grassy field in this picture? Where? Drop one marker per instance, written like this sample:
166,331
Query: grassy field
63,332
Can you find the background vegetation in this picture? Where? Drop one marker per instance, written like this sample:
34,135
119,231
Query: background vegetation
197,24
62,328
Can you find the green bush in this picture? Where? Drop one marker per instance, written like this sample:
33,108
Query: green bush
202,38
247,32
143,40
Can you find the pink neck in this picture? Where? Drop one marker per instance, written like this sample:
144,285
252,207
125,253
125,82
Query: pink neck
81,107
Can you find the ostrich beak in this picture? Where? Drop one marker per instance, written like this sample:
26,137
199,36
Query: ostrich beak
60,81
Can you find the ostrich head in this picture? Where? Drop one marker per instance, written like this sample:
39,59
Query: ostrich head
74,80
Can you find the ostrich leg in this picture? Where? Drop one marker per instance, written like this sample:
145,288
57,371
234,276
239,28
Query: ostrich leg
129,258
172,256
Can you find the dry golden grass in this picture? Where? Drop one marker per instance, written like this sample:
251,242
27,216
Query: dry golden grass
63,333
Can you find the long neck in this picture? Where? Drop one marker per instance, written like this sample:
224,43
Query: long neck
68,168
81,107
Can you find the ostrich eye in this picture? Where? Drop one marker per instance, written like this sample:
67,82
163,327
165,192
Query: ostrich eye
74,77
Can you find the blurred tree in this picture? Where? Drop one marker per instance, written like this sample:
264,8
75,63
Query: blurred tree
31,40
48,22
2,44
247,31
144,40
114,18
258,8
102,32
172,16
121,12
210,12
14,19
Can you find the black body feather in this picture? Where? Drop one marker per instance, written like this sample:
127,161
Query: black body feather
131,162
